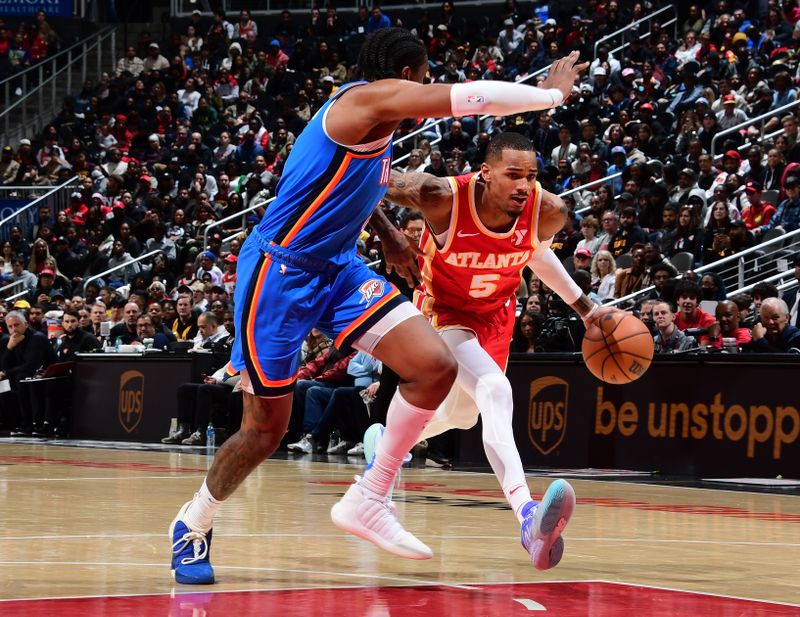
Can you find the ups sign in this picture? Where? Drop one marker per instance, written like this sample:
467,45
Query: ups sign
547,413
131,400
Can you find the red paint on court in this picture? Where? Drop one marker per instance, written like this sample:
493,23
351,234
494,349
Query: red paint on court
577,599
40,460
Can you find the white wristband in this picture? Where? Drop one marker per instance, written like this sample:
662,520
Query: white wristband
500,98
593,310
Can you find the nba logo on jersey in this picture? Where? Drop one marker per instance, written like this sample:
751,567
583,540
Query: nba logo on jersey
371,289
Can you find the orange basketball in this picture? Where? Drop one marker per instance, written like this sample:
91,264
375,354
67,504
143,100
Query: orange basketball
618,348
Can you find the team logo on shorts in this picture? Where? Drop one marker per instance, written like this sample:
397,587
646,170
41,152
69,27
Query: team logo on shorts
371,289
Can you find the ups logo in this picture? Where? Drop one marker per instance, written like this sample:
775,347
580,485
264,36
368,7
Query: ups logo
547,413
131,400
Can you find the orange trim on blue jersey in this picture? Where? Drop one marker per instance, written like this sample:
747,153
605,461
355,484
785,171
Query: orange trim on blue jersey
317,202
230,370
250,326
326,192
366,315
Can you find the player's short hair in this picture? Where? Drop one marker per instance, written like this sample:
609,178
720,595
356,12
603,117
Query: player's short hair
386,52
507,141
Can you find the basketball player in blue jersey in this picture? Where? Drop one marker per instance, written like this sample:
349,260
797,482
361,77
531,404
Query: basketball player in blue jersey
298,270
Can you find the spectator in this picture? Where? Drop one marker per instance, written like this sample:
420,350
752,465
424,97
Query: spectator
604,275
74,340
774,333
184,326
690,315
27,351
130,65
196,403
727,314
209,332
631,279
669,338
146,331
628,234
787,215
125,332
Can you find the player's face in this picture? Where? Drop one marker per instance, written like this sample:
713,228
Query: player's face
511,180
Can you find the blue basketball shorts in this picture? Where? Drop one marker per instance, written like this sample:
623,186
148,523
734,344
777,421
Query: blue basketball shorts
281,295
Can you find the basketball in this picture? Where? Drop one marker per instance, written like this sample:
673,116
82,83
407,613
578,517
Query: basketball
618,348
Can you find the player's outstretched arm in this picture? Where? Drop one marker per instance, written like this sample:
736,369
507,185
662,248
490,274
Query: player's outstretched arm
393,100
546,266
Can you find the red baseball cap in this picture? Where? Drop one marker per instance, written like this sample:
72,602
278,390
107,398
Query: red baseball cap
583,252
729,99
646,106
231,259
732,154
47,271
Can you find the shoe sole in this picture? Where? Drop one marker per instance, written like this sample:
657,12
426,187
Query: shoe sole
552,517
182,511
343,522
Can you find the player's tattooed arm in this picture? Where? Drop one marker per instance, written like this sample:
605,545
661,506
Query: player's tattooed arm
427,193
399,253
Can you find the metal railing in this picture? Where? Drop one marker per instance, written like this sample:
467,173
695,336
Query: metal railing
635,25
749,122
10,300
741,269
184,8
775,279
39,103
119,267
232,217
57,198
6,288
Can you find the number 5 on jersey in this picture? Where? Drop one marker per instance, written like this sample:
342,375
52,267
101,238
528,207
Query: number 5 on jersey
483,285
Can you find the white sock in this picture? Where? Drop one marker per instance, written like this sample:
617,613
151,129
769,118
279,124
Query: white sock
517,497
200,514
404,424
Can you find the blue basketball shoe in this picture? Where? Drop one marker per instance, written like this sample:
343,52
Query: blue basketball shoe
191,552
544,522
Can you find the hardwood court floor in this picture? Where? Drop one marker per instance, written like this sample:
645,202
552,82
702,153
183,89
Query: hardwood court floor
90,525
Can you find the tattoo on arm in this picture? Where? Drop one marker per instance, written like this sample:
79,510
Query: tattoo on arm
582,305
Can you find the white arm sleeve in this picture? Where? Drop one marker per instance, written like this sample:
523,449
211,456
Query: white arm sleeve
500,98
552,273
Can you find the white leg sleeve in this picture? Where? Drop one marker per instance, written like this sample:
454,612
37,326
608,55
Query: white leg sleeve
482,387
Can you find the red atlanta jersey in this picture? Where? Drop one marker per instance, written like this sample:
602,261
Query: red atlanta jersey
470,269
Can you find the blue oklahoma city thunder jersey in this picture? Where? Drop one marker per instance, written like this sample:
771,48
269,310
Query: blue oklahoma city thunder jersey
326,193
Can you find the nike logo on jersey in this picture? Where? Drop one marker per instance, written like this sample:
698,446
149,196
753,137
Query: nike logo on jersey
461,234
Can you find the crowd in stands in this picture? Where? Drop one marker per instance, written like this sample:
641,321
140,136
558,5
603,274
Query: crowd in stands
26,45
196,128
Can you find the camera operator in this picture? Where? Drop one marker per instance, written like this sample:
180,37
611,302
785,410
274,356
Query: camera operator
563,329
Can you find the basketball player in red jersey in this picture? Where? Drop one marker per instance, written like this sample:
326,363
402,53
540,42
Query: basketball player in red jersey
482,230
